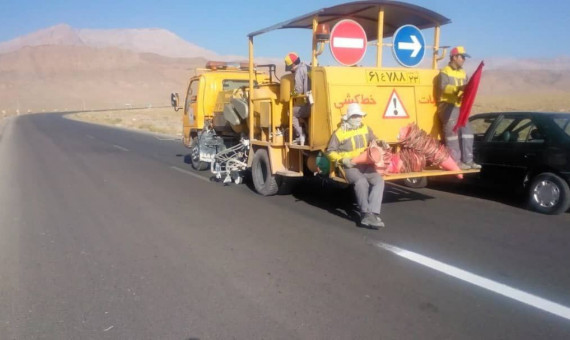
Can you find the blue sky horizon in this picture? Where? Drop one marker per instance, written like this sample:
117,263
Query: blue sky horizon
498,29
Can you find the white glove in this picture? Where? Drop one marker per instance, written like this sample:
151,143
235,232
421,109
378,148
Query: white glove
347,163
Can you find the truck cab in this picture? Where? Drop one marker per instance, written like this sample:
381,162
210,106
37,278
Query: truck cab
208,92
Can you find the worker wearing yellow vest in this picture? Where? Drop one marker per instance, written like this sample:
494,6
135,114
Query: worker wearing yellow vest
348,141
452,81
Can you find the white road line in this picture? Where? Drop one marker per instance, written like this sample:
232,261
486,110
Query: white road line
496,287
190,173
167,138
120,147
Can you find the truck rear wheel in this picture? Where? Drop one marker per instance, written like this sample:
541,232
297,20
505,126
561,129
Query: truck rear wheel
264,181
416,182
195,156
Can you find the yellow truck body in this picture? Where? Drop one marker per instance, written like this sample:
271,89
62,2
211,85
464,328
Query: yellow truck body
259,118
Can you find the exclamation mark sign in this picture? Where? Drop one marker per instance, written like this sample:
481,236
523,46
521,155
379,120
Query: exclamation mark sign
395,107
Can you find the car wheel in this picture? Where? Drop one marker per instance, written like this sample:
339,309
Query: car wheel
549,194
416,182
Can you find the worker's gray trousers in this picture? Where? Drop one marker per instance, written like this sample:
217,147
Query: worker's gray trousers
300,112
459,143
368,186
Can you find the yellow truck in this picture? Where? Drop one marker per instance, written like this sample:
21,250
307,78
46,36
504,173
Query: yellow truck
206,128
244,124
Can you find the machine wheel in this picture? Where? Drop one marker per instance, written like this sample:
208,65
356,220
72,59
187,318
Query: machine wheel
549,194
195,156
416,182
264,181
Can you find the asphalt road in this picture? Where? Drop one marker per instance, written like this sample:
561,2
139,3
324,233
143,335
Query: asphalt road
109,234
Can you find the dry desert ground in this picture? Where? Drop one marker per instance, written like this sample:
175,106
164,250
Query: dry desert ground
167,121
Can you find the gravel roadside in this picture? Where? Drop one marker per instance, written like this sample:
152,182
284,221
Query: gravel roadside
155,120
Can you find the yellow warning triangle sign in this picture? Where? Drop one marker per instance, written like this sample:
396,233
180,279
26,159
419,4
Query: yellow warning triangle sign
395,107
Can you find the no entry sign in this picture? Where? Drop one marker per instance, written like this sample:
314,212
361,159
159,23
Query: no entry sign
348,42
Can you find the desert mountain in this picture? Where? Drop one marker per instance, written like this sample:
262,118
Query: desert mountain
62,68
56,35
561,63
54,78
147,40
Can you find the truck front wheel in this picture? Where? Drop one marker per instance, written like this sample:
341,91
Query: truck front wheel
195,156
264,181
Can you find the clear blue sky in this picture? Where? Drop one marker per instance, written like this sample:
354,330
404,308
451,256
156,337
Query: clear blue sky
488,28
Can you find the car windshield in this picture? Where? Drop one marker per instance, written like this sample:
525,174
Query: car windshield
564,124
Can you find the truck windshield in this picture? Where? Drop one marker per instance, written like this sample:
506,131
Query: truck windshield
232,84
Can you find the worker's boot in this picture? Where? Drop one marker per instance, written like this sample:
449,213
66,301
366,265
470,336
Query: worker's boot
473,165
299,140
464,166
379,222
369,221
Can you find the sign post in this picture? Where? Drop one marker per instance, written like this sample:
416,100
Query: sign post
348,42
408,46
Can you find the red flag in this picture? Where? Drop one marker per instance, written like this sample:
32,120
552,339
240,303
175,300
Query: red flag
469,95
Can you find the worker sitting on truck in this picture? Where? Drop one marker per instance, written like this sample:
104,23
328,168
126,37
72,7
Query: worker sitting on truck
452,81
348,141
302,86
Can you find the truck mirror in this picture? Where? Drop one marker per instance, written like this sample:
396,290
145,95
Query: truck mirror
174,100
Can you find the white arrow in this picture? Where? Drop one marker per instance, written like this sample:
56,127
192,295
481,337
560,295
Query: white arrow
414,46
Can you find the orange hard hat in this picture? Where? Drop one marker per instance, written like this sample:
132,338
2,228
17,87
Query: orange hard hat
291,59
459,50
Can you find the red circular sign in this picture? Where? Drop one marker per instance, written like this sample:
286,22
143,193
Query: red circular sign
348,42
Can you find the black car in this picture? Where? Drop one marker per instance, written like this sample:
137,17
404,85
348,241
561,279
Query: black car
529,151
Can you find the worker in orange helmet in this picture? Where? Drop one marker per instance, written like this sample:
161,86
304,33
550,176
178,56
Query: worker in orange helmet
452,80
300,71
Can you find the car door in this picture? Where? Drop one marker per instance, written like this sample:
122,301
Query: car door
510,149
481,125
554,132
191,99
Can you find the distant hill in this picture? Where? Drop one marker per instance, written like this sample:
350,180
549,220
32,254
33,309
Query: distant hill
76,77
61,67
147,40
561,63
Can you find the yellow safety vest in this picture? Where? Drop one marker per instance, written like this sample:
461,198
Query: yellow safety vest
351,143
450,80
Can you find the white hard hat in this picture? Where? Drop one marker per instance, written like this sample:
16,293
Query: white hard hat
354,110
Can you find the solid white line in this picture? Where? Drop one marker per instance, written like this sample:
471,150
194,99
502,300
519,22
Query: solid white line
168,139
496,287
120,147
190,173
348,43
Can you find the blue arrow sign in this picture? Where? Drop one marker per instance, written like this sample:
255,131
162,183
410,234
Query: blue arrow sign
408,46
